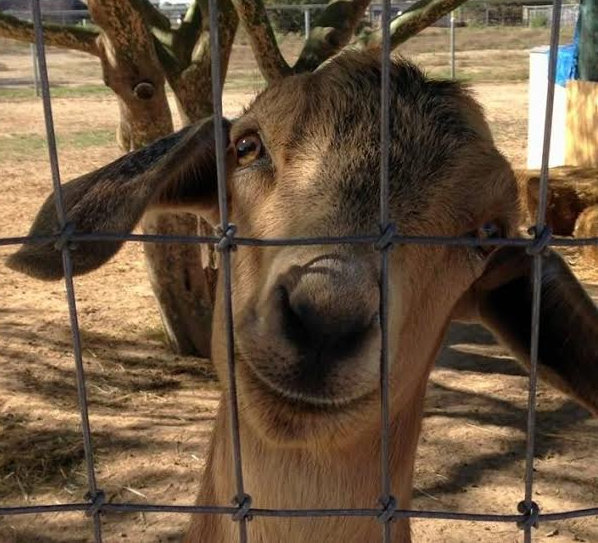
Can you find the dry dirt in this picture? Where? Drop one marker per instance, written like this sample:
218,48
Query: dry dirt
151,412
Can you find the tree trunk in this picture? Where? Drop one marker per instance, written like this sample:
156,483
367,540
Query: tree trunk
588,41
181,285
135,67
132,70
183,277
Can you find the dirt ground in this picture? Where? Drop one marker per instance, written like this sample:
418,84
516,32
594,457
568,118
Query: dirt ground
151,412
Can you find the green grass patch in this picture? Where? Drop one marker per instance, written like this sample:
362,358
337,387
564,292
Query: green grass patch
19,146
155,333
76,91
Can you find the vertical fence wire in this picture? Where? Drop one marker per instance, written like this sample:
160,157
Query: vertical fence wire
528,506
386,499
226,245
63,244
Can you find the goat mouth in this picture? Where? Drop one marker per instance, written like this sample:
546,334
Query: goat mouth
302,398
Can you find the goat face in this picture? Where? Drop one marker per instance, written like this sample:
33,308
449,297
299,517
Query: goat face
304,161
307,158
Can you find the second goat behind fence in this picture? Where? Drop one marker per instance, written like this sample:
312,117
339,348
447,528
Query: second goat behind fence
304,162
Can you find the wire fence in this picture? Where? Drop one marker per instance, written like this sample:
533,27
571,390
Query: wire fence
242,511
536,16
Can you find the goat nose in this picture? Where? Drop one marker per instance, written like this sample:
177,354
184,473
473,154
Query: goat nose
317,316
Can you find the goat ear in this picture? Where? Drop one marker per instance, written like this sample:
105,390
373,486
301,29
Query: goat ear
501,300
177,172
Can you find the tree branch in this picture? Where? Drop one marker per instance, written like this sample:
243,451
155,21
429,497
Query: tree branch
193,87
124,26
152,16
131,68
66,36
333,30
263,42
418,17
188,33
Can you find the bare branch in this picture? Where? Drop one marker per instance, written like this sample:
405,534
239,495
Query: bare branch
186,36
152,16
252,14
66,36
333,29
418,17
193,87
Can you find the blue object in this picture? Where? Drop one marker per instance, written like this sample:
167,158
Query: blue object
566,63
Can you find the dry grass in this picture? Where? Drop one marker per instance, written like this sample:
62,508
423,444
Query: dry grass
151,412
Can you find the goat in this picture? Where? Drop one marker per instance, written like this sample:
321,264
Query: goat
304,161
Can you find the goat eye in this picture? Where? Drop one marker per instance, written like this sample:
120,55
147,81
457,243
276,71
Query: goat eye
248,149
488,230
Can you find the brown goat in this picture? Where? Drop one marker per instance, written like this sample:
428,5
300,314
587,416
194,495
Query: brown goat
304,161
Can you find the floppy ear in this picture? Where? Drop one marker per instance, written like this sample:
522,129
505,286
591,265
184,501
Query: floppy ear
178,172
501,300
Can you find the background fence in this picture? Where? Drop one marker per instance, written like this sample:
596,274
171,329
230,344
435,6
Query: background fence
296,20
96,503
298,17
535,16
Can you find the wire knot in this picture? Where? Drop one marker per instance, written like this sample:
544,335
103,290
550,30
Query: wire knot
97,501
389,504
541,240
385,240
64,239
244,503
227,238
531,511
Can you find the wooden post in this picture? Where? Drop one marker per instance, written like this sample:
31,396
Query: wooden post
581,140
35,66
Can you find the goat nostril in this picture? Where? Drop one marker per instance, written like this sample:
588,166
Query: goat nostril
294,315
311,324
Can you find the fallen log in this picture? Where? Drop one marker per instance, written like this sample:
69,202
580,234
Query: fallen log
587,227
570,191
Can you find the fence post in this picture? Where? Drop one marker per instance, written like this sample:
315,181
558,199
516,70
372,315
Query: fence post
452,40
307,22
35,69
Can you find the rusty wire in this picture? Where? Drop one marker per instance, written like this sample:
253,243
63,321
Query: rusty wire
225,245
541,233
387,229
241,510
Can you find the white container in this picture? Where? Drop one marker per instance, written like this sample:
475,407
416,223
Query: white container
538,86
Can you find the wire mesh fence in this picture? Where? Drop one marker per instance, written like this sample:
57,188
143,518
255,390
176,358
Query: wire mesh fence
241,510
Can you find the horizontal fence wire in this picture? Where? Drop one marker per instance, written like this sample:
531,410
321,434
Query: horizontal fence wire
241,511
533,244
129,507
